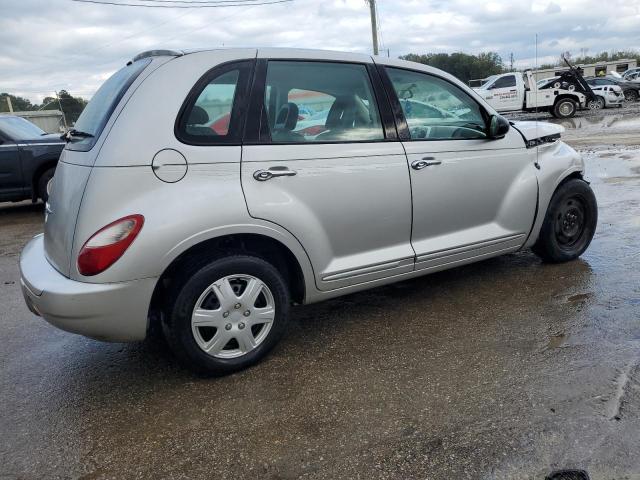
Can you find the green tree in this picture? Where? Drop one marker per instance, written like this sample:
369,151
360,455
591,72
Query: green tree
461,65
72,106
19,104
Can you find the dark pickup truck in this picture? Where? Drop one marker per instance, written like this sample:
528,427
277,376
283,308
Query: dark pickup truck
28,158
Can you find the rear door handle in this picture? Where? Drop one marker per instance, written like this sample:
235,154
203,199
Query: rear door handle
425,162
264,175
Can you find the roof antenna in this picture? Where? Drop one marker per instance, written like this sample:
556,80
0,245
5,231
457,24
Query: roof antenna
534,79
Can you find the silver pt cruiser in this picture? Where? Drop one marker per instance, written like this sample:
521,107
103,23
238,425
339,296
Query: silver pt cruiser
208,191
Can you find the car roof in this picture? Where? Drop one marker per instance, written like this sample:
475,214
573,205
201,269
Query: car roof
278,52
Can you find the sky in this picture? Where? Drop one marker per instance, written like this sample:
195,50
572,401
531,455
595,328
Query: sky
48,45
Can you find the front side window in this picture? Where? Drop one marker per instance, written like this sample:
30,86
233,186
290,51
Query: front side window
436,109
211,114
308,102
505,82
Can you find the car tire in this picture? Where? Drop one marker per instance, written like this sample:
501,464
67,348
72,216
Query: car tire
631,96
565,108
569,224
596,104
212,328
43,181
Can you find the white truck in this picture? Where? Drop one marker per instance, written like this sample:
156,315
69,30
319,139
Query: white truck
518,91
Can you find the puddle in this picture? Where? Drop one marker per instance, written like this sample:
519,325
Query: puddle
599,121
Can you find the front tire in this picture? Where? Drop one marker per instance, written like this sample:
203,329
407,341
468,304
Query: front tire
227,315
569,224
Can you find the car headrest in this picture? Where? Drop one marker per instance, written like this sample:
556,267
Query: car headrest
347,112
287,117
198,116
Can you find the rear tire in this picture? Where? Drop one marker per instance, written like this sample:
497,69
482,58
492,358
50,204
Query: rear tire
631,96
569,224
215,326
42,183
565,108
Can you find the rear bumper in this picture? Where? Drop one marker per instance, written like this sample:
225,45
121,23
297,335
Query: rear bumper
114,312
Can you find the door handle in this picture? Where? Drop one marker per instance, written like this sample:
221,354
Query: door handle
425,162
264,175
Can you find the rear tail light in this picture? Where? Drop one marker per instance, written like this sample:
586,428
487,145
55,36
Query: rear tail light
108,244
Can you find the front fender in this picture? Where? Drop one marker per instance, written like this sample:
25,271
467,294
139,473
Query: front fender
557,162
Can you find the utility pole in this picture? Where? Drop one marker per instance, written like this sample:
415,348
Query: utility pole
9,103
511,59
374,25
64,118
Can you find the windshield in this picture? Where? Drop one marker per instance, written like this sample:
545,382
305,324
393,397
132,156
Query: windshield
97,113
17,128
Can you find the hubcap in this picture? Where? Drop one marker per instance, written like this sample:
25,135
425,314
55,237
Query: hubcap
233,316
570,221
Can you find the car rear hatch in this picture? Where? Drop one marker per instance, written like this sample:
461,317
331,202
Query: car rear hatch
79,156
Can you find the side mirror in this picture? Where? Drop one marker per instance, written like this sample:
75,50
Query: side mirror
498,127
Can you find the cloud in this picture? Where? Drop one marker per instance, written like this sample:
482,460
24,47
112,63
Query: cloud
553,8
56,44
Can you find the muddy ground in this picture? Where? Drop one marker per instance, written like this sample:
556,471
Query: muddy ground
506,369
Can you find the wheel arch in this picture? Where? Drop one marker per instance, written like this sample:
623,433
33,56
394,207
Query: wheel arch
35,176
549,180
296,271
567,96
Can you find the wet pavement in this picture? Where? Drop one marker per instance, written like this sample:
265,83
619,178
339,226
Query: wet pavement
506,369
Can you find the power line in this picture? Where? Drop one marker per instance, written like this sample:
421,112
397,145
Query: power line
223,4
248,2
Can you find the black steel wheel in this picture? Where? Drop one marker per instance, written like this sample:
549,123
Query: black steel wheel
569,224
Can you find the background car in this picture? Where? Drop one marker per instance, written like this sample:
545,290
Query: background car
630,71
607,96
28,158
632,77
630,90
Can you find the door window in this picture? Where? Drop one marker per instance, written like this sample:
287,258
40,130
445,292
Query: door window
320,102
505,82
436,109
212,113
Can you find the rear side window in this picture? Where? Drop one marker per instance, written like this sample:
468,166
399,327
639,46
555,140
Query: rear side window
321,102
214,110
97,113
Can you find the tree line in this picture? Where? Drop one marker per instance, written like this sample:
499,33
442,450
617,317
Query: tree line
597,58
468,67
71,106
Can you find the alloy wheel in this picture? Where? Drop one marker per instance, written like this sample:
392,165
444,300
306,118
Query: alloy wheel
596,104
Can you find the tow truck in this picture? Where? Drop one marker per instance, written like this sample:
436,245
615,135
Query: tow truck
517,91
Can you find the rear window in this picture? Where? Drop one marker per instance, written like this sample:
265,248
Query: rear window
97,113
